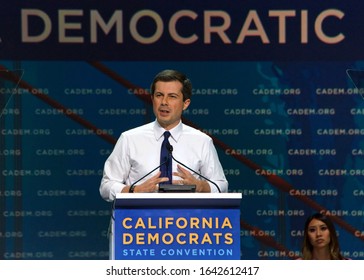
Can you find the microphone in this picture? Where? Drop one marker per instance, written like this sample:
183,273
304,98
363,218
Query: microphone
131,189
170,150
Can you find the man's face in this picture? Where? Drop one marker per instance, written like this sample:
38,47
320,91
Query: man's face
168,103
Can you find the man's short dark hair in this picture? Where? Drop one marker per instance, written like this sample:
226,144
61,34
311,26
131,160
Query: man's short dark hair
174,75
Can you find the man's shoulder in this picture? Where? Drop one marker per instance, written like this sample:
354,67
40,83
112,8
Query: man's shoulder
189,130
140,130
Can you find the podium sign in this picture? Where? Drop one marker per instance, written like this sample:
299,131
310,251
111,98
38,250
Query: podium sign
178,226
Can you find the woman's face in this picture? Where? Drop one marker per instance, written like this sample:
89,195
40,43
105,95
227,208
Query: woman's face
318,234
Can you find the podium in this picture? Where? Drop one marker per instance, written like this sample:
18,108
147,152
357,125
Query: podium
176,226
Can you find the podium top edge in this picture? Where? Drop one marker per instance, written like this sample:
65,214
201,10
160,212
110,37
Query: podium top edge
179,195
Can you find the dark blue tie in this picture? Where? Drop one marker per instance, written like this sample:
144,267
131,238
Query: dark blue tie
166,161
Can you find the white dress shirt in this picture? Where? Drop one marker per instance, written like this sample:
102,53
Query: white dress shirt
137,152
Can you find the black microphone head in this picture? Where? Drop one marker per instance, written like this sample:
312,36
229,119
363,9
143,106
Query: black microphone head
169,148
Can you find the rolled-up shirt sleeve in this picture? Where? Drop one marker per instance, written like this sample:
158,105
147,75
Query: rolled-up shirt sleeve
116,170
213,170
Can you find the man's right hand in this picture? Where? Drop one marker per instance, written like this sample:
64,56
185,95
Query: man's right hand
150,185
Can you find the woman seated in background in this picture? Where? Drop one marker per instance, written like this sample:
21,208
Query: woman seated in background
320,240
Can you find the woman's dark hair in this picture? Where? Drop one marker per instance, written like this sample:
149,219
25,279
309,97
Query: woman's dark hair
174,75
334,242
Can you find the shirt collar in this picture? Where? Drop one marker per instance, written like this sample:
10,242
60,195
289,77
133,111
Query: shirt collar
175,132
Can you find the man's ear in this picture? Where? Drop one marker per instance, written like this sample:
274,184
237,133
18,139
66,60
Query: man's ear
186,104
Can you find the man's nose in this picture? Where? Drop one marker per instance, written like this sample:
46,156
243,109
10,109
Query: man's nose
165,100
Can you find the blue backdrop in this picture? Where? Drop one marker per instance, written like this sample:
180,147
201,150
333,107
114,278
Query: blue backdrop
270,86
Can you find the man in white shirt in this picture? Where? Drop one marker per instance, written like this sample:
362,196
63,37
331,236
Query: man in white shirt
137,151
